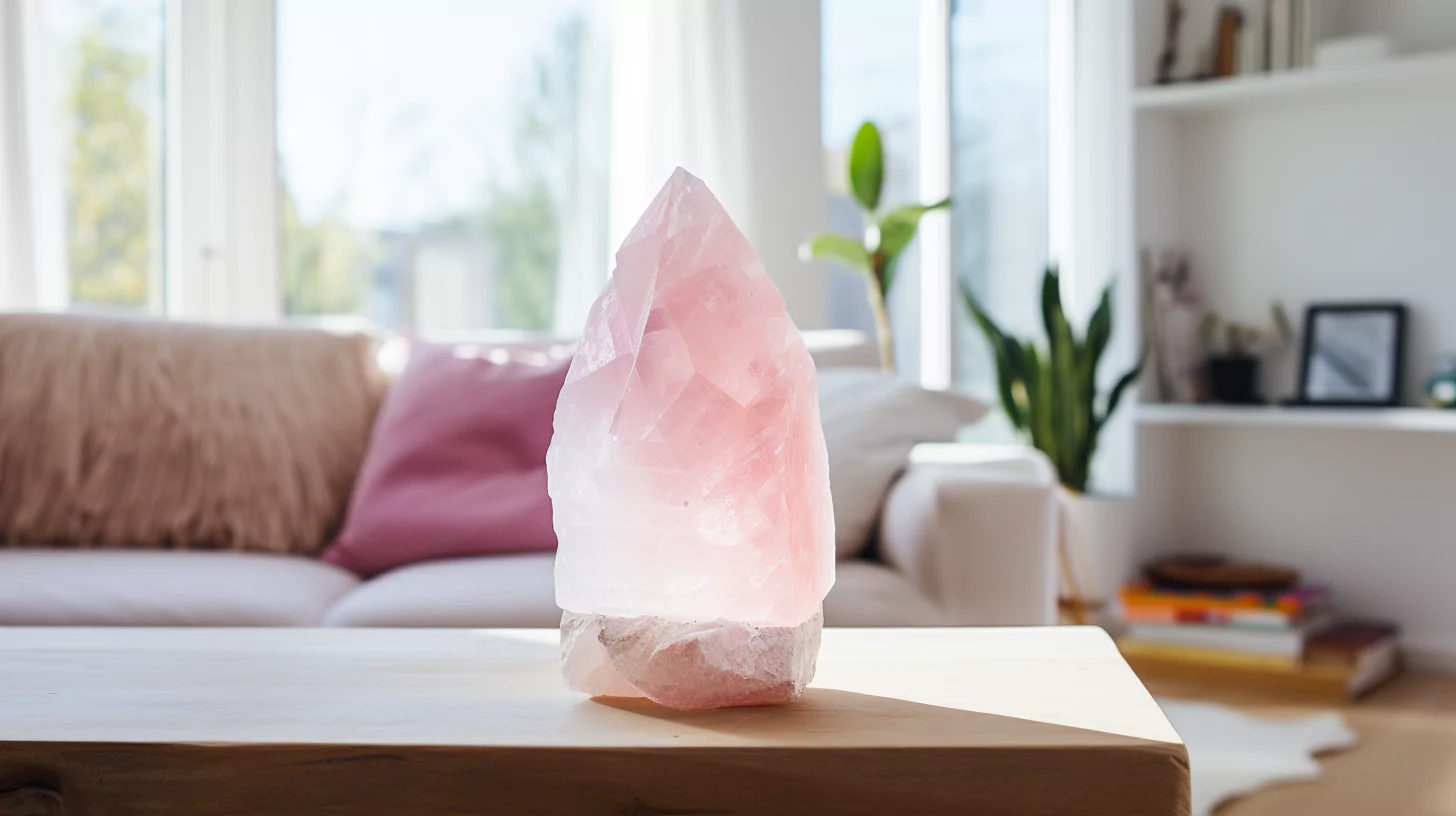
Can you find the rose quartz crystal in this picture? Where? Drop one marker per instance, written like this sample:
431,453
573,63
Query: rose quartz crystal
688,477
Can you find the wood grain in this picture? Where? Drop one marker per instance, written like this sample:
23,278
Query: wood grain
375,722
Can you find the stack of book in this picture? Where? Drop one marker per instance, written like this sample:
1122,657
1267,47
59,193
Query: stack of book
1287,639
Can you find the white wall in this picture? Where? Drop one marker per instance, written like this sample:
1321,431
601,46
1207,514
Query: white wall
1351,198
785,152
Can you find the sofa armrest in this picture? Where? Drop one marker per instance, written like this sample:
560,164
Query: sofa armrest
974,527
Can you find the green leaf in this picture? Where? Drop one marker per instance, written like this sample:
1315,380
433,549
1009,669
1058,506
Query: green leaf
1010,365
840,249
1041,401
1068,415
1099,331
898,228
867,166
1116,394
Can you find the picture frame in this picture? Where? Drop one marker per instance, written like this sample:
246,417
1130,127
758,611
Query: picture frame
1352,355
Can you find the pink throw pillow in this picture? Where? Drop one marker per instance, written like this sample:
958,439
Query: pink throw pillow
456,464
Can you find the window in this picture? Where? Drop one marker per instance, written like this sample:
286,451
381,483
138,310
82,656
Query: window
1000,169
107,77
434,157
871,71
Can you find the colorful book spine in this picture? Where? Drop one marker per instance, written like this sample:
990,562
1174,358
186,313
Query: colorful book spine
1263,619
1293,603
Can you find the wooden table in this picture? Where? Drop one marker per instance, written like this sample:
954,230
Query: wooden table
436,722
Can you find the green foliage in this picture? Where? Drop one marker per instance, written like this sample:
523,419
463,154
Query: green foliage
109,175
1051,397
843,250
325,264
867,166
876,255
524,219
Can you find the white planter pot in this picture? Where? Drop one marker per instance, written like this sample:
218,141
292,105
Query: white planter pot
1097,541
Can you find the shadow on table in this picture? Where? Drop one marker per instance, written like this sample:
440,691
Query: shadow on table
1014,764
835,717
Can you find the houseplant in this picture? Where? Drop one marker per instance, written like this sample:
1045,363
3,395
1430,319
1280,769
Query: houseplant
876,252
1234,355
1050,397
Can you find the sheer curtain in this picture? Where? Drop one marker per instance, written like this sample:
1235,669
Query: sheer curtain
32,248
729,90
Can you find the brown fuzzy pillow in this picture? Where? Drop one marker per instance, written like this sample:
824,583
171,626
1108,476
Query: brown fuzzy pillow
123,434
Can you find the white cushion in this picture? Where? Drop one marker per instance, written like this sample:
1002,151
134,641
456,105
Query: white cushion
518,590
165,588
870,594
485,591
871,422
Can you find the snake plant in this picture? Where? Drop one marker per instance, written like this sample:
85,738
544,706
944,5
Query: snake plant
1050,394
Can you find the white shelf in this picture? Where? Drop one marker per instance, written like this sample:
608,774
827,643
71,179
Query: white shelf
1368,419
1433,70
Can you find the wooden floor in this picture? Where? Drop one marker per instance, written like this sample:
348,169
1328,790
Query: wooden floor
1405,763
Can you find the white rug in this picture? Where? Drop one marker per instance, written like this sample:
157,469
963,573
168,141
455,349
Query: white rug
1230,753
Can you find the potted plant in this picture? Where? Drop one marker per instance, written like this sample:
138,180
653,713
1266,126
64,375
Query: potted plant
1233,360
1050,397
876,252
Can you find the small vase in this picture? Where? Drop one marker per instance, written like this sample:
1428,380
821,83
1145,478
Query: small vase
1097,551
1233,379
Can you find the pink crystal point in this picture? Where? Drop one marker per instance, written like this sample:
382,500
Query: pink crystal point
688,475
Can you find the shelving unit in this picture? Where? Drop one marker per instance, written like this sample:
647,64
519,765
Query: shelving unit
1308,186
1421,420
1423,71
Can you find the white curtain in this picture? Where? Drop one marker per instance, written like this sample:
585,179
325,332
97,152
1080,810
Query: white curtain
729,90
32,249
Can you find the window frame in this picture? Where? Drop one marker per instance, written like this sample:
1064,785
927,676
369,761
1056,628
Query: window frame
222,201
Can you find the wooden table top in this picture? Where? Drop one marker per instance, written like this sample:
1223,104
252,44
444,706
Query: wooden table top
968,711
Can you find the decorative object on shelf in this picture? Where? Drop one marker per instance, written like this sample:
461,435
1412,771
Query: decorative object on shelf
1168,57
1050,397
1226,42
1353,354
692,397
1247,37
1352,52
1176,316
1254,40
876,254
1234,349
1441,385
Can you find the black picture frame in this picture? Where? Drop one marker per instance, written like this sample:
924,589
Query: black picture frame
1362,369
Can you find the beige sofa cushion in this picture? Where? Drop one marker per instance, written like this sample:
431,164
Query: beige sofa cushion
517,590
127,434
71,588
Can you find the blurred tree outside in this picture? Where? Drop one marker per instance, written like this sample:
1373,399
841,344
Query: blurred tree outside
522,208
526,220
325,265
109,172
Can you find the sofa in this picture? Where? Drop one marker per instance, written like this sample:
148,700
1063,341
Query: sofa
965,534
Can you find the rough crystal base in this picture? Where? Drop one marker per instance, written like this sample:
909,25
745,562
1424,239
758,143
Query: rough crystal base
690,666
